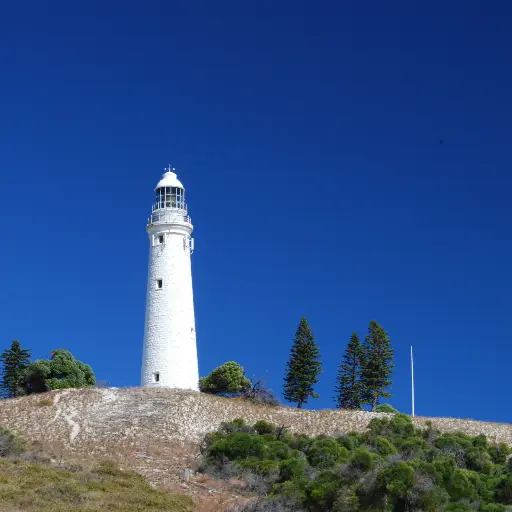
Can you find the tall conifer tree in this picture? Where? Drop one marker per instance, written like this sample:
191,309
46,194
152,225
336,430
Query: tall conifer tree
348,385
14,362
303,368
377,365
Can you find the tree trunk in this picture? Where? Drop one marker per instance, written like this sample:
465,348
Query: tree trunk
299,405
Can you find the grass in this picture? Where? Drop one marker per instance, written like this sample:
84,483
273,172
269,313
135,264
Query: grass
30,486
45,402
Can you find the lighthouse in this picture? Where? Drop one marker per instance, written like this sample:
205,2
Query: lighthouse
170,353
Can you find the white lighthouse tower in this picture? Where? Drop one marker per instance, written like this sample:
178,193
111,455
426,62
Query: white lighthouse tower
170,353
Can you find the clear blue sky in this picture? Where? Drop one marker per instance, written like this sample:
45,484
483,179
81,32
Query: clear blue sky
308,137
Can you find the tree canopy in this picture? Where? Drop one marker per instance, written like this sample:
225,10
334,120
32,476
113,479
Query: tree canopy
377,366
303,367
228,378
348,384
61,371
14,361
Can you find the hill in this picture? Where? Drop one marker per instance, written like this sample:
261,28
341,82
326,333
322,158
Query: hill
157,432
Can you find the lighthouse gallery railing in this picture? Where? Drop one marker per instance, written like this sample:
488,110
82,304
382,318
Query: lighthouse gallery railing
169,217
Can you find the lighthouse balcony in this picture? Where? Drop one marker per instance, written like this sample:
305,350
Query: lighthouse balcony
170,216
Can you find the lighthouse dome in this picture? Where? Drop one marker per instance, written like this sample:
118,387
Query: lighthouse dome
169,179
170,192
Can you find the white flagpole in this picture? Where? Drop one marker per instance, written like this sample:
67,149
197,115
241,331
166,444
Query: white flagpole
412,382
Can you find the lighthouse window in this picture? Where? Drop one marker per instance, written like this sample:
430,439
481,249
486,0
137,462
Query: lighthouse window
160,198
157,377
170,197
161,239
159,284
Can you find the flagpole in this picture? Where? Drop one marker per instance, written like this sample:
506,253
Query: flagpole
412,382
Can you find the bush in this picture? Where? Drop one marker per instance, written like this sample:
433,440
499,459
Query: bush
325,453
499,453
259,394
291,469
503,491
239,445
362,459
396,482
264,427
228,378
384,447
346,501
10,444
392,467
237,425
350,441
386,408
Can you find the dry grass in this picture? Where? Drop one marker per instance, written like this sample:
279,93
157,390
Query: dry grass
45,402
29,486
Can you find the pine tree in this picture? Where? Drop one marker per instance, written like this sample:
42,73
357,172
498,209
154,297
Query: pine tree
377,366
14,362
348,385
303,368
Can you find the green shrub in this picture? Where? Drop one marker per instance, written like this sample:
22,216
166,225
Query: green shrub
401,425
386,408
478,459
228,378
362,459
264,427
236,425
325,453
393,467
278,450
458,507
346,501
433,499
239,445
499,453
493,507
262,467
322,492
384,446
480,441
459,486
291,469
396,482
412,447
350,441
503,491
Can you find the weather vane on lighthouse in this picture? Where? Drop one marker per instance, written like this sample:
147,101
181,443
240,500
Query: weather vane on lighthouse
170,352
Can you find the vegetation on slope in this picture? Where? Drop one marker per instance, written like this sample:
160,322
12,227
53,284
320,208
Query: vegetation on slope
29,486
391,467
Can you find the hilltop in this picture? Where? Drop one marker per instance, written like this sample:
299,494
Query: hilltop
157,432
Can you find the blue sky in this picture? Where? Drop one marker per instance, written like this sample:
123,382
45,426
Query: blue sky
343,161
